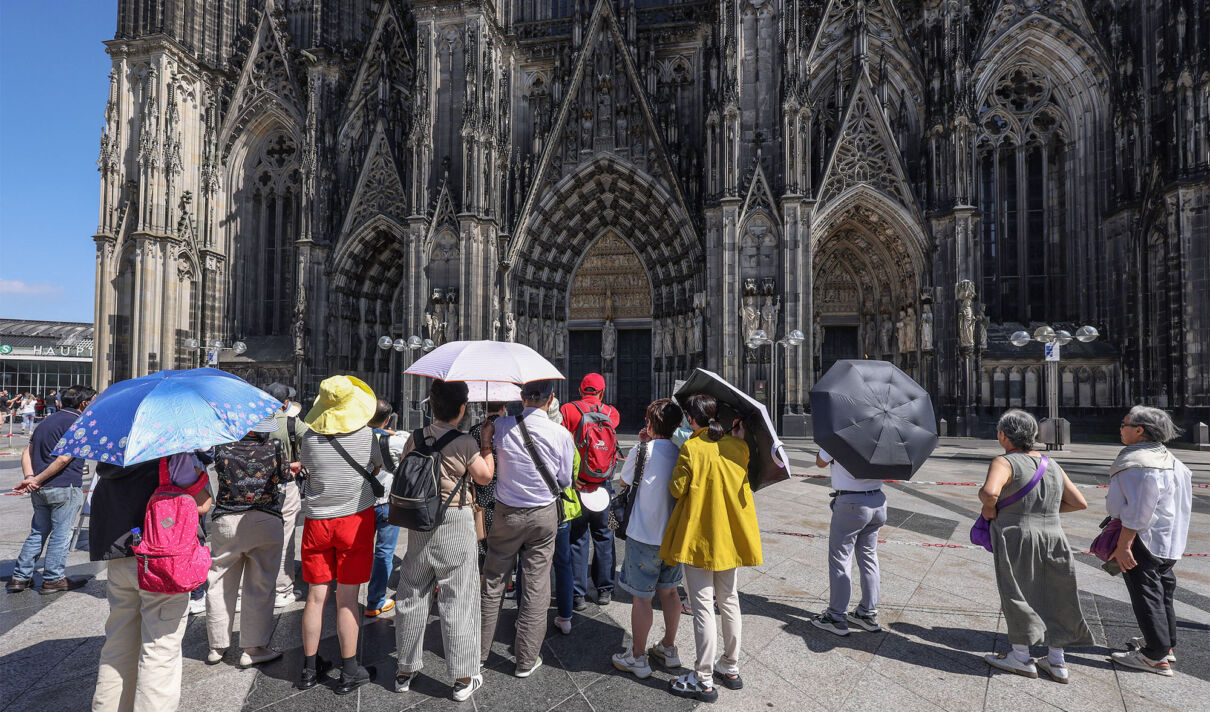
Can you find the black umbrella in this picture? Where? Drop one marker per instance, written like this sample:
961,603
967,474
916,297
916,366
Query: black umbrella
766,456
873,419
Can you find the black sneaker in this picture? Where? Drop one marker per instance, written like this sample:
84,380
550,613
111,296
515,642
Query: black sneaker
310,678
363,676
869,621
604,598
579,604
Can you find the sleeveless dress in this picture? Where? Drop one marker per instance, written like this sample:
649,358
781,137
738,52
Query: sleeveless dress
1035,568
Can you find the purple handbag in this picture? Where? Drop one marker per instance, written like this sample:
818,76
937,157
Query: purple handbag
981,532
1107,541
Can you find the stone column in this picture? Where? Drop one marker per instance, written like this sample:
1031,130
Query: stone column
104,307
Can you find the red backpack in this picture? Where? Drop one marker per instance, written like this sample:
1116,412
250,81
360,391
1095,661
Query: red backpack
171,556
597,443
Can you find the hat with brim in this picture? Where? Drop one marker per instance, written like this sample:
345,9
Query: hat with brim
596,500
268,425
345,404
293,409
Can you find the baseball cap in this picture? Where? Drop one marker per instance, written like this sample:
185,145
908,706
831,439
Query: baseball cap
592,383
537,390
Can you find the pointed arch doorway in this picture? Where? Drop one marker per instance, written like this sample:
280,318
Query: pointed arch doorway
609,326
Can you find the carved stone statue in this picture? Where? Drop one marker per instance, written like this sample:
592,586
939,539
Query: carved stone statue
885,327
682,333
510,326
697,331
669,337
768,316
909,331
966,315
926,328
609,340
535,333
869,336
817,337
901,332
450,330
657,339
981,324
548,346
560,339
751,317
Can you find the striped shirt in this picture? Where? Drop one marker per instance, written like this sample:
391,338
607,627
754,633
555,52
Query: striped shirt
333,488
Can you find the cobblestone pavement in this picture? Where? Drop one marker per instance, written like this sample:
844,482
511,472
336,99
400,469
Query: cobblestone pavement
939,608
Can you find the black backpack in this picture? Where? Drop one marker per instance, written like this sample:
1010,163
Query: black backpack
416,492
250,473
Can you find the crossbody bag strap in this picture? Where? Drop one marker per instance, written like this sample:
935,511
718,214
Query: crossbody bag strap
1016,496
375,486
438,446
551,482
640,464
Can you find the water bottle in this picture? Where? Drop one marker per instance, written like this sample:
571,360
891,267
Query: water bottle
136,536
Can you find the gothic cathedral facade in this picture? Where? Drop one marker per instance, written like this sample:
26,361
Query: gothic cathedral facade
638,187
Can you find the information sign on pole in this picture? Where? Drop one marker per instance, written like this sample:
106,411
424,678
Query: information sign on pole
212,357
1052,351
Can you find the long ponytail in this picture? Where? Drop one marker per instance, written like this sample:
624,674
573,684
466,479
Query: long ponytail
703,410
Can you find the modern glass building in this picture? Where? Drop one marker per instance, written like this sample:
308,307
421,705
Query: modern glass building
37,356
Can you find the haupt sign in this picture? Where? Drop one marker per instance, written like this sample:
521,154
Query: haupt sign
78,351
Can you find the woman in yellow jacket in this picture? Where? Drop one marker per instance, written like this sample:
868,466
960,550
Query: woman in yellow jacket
712,531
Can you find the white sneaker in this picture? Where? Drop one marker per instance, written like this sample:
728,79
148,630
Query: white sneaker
463,692
1058,673
1138,661
666,657
283,599
526,673
197,606
1009,663
563,624
627,662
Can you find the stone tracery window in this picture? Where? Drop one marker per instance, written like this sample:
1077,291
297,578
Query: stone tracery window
1022,154
269,223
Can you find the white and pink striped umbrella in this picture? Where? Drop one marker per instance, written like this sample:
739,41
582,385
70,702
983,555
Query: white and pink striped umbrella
485,361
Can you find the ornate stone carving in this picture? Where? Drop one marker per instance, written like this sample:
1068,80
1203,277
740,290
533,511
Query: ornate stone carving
926,328
965,293
609,341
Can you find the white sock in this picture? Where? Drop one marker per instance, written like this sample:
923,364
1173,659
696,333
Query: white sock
1055,656
1021,653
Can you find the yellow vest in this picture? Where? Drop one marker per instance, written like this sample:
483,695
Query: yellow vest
713,525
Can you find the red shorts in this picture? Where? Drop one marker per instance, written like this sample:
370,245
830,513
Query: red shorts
341,548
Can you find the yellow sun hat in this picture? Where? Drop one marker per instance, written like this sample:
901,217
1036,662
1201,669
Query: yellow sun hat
344,404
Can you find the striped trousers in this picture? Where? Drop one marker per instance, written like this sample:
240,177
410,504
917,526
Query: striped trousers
447,557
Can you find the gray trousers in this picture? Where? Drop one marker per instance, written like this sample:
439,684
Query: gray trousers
447,557
530,534
856,519
289,515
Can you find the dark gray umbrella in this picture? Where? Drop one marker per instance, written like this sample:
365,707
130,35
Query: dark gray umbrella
767,461
873,419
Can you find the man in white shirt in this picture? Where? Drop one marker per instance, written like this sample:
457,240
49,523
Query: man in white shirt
1151,492
858,512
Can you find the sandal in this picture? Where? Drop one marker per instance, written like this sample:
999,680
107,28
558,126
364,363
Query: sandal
1006,662
689,686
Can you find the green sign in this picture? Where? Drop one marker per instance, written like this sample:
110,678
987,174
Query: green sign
6,349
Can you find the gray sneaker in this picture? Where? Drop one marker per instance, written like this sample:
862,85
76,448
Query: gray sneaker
869,621
830,624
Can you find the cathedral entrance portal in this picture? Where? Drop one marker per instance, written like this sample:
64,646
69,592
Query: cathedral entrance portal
609,320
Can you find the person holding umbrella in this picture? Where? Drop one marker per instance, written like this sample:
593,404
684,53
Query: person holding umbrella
858,512
713,531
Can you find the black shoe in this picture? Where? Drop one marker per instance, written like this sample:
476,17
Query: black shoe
363,676
310,678
731,683
604,598
17,585
577,604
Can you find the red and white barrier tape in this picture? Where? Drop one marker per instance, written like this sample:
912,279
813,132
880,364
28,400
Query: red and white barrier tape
923,483
924,544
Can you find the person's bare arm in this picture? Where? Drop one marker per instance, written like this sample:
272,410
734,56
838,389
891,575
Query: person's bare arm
32,483
1073,500
482,468
820,462
999,473
204,500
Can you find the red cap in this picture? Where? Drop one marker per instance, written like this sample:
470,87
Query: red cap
592,383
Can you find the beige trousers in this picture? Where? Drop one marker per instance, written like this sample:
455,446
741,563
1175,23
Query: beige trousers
140,668
529,534
245,550
289,521
705,588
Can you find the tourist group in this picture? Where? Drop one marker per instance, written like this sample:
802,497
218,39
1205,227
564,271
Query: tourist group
525,499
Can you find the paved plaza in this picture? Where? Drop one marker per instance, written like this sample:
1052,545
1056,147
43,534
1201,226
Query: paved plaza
939,608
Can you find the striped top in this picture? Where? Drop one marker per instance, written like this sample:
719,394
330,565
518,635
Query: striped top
333,488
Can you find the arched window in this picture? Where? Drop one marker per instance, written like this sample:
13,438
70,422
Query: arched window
269,223
1023,193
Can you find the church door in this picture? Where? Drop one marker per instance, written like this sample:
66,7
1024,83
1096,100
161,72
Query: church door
840,342
634,377
584,357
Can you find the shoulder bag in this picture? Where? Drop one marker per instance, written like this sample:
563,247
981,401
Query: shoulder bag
981,532
622,503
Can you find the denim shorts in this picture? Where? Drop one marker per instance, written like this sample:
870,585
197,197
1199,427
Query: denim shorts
643,571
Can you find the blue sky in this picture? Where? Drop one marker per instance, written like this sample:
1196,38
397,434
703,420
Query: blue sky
53,83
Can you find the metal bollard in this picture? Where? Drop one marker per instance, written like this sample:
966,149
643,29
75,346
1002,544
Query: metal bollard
1203,436
943,428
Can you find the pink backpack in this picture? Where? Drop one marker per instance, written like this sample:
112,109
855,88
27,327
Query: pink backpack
171,556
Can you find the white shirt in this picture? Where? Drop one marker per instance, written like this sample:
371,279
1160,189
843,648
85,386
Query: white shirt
653,502
518,482
842,480
1157,504
29,406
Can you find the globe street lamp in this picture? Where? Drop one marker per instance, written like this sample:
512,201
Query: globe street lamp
758,339
1056,432
412,344
214,347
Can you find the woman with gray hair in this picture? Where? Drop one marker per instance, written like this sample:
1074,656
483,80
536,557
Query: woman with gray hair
1151,492
1035,569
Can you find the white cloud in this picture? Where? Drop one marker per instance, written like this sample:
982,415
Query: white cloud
18,288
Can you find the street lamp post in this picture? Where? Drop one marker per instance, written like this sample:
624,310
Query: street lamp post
412,345
1055,431
214,347
791,340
